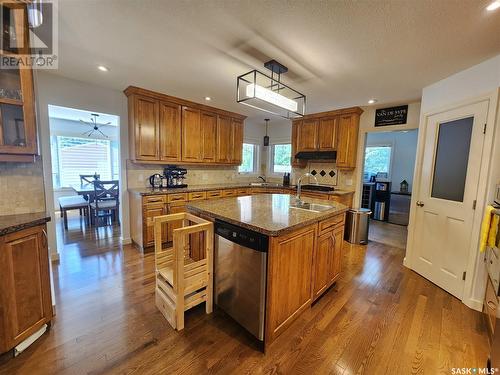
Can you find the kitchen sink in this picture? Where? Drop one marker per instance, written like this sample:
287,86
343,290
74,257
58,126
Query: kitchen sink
263,184
314,207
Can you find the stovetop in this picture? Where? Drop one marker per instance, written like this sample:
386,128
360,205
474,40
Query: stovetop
318,187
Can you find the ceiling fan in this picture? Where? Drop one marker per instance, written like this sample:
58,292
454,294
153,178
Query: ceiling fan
94,126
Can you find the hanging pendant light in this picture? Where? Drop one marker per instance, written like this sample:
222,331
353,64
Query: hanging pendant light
269,94
266,137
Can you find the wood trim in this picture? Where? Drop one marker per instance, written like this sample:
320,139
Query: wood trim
337,112
21,158
134,90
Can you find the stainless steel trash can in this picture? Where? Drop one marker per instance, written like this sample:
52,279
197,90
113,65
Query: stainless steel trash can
356,225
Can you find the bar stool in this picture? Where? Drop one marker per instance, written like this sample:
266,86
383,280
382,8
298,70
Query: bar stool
182,282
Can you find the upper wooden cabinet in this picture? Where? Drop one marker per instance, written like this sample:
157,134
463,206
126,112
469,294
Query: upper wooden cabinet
347,144
192,141
208,137
237,141
170,132
224,140
308,135
167,130
18,136
328,131
146,129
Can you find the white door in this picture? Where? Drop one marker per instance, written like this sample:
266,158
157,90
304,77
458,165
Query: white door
446,194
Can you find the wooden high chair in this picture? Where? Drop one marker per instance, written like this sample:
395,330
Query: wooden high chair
181,282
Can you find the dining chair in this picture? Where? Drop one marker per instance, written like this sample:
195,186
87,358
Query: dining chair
106,201
89,178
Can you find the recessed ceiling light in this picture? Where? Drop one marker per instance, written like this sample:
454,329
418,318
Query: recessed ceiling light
208,98
372,101
103,68
493,6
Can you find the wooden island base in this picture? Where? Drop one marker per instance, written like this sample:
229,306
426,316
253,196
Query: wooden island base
302,265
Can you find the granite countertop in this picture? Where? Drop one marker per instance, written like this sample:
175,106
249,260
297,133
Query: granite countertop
192,188
15,223
269,214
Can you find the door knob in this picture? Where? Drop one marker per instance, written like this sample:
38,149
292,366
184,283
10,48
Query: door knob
420,204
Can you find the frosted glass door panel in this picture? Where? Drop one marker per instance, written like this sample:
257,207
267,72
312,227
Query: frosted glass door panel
452,157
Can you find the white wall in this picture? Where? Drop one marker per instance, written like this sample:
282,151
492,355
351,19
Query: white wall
404,150
480,82
367,125
65,92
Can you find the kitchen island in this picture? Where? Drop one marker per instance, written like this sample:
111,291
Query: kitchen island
304,250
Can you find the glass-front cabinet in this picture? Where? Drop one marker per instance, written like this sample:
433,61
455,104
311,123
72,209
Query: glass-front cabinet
17,106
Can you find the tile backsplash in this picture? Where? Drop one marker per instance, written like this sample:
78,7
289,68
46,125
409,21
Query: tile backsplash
327,174
21,188
138,174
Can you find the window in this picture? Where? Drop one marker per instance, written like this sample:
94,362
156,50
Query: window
281,156
249,159
377,159
72,156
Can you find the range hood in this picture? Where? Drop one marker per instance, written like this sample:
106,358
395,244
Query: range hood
317,155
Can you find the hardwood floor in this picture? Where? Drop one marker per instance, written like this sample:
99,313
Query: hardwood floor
380,318
388,234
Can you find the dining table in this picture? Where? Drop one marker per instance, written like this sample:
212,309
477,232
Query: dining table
86,189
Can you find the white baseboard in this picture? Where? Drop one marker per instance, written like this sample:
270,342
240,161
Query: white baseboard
125,241
474,304
405,263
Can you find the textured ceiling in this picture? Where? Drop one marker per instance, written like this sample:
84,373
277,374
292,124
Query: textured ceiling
339,53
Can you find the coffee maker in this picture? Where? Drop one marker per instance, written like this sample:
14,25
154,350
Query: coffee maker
175,176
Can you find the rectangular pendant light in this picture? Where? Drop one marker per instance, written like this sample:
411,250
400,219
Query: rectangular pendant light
268,94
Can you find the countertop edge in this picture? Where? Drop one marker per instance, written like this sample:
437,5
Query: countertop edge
271,233
150,191
24,224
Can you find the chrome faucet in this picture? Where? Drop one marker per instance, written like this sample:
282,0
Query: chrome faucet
299,185
262,178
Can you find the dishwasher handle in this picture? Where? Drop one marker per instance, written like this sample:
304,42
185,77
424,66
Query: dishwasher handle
242,236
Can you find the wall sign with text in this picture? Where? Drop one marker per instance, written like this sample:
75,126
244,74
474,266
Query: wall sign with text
391,116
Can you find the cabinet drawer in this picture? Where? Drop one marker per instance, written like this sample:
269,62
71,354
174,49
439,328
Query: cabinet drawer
490,305
214,194
180,197
198,195
334,221
154,199
228,193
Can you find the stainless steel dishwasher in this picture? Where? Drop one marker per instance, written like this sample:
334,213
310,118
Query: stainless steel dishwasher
240,275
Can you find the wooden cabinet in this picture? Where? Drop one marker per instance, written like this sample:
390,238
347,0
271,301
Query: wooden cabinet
151,210
321,266
308,135
224,140
289,278
170,131
237,141
295,138
328,131
18,138
347,143
25,297
209,137
146,129
327,134
192,142
165,130
327,262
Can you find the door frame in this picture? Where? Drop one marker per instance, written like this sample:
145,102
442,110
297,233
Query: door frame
475,274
